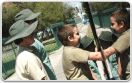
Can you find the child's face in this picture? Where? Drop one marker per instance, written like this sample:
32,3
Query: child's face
75,40
115,26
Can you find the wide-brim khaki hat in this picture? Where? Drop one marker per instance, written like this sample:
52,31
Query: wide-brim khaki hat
104,34
21,29
26,15
86,41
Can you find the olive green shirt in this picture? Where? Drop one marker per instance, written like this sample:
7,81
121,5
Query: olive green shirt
122,45
75,64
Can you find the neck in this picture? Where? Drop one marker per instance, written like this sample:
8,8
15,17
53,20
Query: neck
30,43
70,44
123,30
27,44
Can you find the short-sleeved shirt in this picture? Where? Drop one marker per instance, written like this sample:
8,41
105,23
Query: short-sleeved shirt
29,67
122,45
75,63
39,50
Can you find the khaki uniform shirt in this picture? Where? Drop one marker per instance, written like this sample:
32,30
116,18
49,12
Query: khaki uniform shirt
75,64
29,67
122,45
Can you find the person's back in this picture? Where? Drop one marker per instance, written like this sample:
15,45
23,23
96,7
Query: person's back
29,67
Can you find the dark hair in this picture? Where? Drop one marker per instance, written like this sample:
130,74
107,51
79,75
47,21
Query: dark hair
18,41
28,21
122,15
63,32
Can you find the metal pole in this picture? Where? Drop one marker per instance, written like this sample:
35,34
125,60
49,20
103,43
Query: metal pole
96,38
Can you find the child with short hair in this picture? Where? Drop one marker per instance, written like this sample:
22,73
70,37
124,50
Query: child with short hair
74,59
120,22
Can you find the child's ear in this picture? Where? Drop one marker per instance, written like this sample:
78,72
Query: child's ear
70,38
122,24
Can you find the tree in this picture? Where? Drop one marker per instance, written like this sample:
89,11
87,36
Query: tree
51,13
100,6
8,13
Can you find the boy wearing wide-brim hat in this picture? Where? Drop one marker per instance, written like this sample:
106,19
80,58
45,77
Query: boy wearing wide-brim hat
106,40
26,15
28,65
88,44
38,48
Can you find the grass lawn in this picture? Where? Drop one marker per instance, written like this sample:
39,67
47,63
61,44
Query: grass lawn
9,72
51,47
89,32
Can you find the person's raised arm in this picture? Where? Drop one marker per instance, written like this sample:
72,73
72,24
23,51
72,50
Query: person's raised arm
97,55
109,51
93,75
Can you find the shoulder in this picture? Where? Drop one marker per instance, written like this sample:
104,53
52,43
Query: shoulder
71,49
126,32
125,35
123,42
25,55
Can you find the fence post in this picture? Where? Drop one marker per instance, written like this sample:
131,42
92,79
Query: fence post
100,20
13,49
4,69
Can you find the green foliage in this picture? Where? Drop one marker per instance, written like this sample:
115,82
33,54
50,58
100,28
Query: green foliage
51,13
8,14
100,6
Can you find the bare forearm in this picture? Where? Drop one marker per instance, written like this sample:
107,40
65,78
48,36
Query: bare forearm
95,56
109,51
98,56
119,66
93,75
